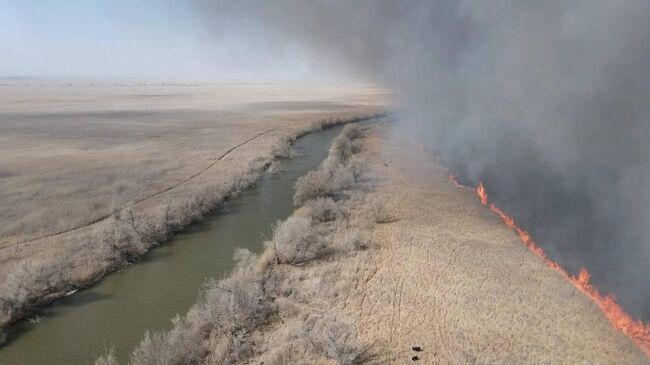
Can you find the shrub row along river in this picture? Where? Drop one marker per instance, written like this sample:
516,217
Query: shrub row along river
166,281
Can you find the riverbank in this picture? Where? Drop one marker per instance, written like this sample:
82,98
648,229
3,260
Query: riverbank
39,268
258,313
398,266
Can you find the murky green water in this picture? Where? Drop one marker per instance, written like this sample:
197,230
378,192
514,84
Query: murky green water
117,311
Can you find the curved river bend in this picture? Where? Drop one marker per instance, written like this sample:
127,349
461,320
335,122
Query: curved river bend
166,281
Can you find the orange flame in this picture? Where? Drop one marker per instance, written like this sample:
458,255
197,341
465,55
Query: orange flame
480,190
635,329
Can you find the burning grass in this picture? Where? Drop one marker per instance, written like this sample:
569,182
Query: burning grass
635,329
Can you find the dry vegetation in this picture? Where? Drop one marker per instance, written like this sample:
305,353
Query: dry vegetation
86,187
449,277
386,256
277,308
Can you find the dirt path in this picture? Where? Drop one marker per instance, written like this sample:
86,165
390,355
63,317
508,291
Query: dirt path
450,278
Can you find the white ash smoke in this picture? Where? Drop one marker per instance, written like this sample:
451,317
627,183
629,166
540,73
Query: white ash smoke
547,102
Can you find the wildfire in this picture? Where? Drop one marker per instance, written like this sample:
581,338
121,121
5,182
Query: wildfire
635,329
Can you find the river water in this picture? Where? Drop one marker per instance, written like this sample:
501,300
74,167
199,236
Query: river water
166,281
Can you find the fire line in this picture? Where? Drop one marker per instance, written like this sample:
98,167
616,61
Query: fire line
635,329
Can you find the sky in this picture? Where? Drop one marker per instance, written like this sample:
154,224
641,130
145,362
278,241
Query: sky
133,39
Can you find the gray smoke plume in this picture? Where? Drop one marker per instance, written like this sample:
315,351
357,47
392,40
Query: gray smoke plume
547,102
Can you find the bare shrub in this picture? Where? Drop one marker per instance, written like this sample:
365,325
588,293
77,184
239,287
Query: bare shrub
336,173
317,338
353,240
181,212
153,349
22,279
335,338
379,212
124,235
225,313
183,344
154,226
236,306
352,131
323,183
274,167
311,186
295,241
108,358
241,180
341,179
282,149
323,209
344,146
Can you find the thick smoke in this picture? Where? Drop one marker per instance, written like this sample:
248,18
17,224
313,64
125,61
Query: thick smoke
547,102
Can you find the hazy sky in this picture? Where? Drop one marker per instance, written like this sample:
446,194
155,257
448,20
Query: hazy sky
120,38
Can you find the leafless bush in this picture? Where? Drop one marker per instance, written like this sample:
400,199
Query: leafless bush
353,131
155,348
108,358
23,279
311,186
283,148
323,209
226,312
379,212
335,338
122,236
354,239
343,146
295,241
341,179
336,173
274,167
243,179
316,338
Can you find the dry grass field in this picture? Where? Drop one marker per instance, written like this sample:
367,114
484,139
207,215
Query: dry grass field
69,154
92,174
387,261
449,277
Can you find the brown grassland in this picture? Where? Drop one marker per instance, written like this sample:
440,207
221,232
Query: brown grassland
94,174
386,261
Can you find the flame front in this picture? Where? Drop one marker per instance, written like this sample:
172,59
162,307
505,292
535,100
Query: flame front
480,190
635,329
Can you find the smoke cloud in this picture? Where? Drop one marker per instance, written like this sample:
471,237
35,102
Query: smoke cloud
548,103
